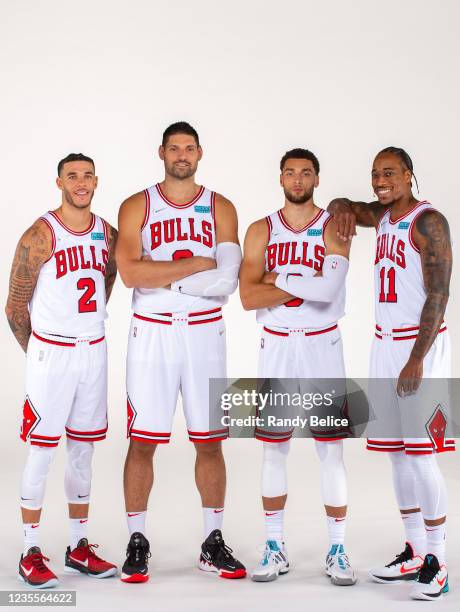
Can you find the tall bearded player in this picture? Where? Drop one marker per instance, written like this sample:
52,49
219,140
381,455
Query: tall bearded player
179,250
413,265
293,274
61,279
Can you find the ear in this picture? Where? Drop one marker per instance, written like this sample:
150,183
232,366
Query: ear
408,176
96,181
161,152
281,180
317,180
200,153
59,182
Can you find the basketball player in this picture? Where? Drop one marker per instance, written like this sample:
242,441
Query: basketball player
300,339
412,274
179,250
62,276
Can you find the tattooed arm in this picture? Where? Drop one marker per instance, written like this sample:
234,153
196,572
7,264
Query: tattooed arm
348,214
33,249
432,236
111,270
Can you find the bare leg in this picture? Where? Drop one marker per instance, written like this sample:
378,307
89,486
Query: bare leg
210,474
138,475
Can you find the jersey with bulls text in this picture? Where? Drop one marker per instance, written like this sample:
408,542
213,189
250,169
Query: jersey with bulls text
299,252
399,287
174,231
69,297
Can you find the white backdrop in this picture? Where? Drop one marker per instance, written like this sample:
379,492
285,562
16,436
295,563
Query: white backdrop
343,78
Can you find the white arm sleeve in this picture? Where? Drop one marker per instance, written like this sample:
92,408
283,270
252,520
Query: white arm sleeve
221,281
317,288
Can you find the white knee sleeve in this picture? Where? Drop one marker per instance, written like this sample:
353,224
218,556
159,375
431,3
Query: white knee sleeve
333,474
404,481
34,476
429,486
274,474
77,482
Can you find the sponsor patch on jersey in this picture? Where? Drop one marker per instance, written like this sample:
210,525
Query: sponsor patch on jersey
314,232
97,236
202,209
404,225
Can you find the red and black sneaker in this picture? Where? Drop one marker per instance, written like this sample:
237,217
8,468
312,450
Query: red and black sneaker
217,557
136,566
83,560
34,572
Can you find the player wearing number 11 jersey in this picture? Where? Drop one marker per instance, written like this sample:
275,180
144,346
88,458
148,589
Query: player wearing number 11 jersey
413,262
62,276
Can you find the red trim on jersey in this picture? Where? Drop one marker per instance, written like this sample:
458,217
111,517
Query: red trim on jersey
291,229
97,341
86,231
205,321
207,440
404,329
270,227
275,333
52,341
385,442
53,238
207,433
106,232
47,444
407,213
152,433
173,204
96,432
338,437
213,210
192,314
147,441
275,440
321,331
147,208
50,438
411,229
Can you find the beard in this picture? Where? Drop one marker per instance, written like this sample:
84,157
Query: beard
300,198
181,173
71,201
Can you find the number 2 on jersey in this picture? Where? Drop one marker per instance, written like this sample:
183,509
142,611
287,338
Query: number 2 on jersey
85,303
391,296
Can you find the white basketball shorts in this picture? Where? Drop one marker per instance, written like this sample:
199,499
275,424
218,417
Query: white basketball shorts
66,389
168,353
417,423
305,356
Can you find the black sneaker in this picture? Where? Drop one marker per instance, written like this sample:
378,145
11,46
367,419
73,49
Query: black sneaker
136,568
217,557
432,580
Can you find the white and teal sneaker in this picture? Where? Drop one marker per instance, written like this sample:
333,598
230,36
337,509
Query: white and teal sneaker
273,563
338,567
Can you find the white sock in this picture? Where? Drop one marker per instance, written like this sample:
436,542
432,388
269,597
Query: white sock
414,528
212,519
78,530
136,522
336,530
31,532
274,520
436,541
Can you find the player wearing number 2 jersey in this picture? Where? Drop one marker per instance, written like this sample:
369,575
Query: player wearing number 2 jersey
293,274
413,261
179,250
62,276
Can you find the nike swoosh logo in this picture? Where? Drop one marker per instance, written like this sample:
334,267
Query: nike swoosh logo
26,572
84,563
218,511
405,570
27,498
84,521
335,341
34,526
339,520
440,582
160,209
134,514
80,496
270,513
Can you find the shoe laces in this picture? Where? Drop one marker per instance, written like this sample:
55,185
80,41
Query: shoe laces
91,552
338,551
401,558
38,561
138,554
223,551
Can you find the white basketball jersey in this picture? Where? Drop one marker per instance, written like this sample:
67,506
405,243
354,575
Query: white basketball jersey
300,252
174,231
69,298
399,287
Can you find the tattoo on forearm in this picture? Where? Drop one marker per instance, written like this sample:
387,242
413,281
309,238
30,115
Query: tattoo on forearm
33,249
436,255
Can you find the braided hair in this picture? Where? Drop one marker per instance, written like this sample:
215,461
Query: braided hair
405,160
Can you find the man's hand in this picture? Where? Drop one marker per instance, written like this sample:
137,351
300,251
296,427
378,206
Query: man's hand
269,278
344,217
410,377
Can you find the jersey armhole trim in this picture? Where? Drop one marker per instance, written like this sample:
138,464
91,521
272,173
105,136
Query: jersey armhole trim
213,211
147,209
106,232
53,238
269,227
